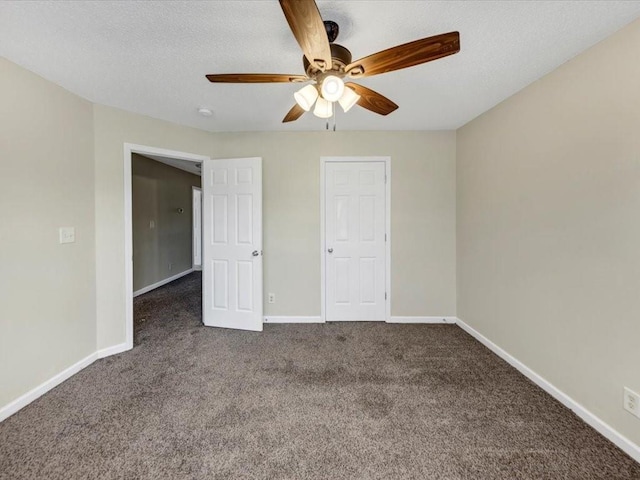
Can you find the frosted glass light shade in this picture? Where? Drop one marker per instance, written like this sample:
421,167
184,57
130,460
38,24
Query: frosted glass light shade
332,88
306,96
348,99
323,108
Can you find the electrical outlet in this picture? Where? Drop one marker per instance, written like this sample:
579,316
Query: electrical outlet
272,298
632,402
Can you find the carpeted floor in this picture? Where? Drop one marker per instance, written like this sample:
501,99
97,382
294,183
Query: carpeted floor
332,401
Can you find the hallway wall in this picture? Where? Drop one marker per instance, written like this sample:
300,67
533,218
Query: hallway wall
162,237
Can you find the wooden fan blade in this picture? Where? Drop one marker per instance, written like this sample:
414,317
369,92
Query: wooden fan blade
308,29
255,78
295,113
406,55
372,100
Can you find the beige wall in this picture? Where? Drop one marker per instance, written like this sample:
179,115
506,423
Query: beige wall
114,128
549,227
47,290
422,199
422,214
158,191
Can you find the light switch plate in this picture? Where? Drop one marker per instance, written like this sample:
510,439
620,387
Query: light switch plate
67,234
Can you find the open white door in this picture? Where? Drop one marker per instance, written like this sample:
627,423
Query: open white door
232,243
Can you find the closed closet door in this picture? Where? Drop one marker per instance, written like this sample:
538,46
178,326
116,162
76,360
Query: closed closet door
355,249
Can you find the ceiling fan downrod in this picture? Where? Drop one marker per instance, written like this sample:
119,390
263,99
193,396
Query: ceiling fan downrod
332,30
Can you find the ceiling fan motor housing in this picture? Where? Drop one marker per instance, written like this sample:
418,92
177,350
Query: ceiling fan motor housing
340,58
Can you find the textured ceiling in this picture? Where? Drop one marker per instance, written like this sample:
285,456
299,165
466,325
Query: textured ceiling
151,57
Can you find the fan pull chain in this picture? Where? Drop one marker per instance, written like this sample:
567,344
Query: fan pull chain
329,116
334,110
333,114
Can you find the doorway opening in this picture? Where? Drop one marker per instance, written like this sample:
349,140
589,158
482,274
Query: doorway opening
164,220
159,254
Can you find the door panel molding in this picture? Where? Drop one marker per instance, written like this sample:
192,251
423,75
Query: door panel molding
196,228
323,246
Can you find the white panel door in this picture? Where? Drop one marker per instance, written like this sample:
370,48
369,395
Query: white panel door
197,227
232,243
355,261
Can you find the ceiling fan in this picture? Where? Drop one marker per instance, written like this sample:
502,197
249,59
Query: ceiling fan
326,64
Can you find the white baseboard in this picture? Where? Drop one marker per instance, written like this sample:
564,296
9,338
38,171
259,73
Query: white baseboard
626,445
318,319
161,282
107,352
291,319
444,320
43,388
34,394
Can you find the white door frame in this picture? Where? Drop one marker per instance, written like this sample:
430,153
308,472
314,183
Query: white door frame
387,229
193,236
130,148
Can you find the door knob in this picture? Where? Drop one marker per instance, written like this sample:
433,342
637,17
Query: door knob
330,250
255,253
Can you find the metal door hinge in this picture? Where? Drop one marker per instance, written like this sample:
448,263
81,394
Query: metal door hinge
385,295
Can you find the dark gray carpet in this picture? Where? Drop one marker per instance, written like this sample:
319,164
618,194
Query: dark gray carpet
334,401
